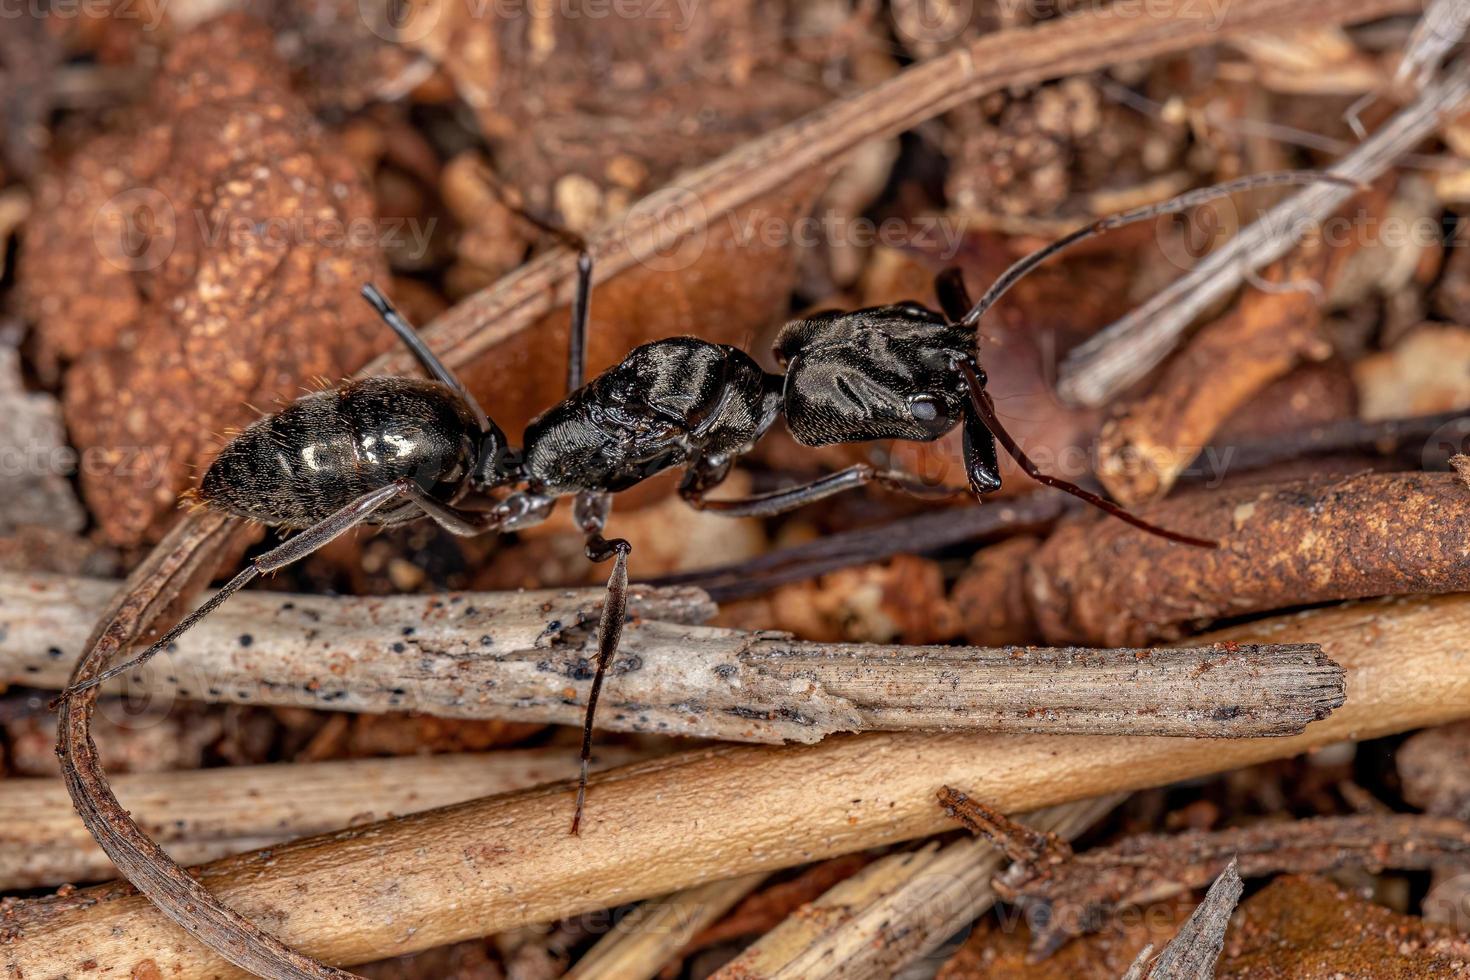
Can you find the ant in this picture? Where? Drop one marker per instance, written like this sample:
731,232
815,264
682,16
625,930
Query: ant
388,450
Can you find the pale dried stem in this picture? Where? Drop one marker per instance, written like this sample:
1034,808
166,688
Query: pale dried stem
651,935
200,815
898,909
525,656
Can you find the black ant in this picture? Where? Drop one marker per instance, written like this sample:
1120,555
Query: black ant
389,450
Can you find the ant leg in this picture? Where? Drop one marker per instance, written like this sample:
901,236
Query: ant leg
314,537
590,514
781,501
456,520
581,312
985,409
430,362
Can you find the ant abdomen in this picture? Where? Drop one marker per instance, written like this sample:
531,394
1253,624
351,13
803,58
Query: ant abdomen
324,450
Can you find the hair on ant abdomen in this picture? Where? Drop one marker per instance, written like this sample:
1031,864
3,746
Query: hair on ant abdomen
300,465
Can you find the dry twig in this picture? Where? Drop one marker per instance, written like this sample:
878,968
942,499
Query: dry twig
524,656
1076,892
1438,31
1286,544
1142,452
487,866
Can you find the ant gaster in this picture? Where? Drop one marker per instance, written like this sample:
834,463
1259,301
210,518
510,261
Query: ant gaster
389,450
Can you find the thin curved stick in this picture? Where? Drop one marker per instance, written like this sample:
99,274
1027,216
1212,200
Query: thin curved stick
181,562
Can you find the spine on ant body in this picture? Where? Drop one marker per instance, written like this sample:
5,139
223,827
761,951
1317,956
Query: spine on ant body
299,465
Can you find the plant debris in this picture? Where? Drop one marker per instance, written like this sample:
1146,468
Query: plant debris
1193,952
1073,893
360,763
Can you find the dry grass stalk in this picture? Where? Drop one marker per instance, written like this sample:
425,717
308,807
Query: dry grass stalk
200,815
647,938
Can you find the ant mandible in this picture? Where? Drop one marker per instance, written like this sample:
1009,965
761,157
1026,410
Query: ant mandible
388,450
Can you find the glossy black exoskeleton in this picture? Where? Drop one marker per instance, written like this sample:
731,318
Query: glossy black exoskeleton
888,372
388,450
669,402
299,466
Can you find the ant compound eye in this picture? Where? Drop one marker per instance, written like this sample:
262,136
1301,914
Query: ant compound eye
930,412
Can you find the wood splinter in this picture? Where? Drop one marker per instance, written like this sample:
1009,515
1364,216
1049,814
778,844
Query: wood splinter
1194,950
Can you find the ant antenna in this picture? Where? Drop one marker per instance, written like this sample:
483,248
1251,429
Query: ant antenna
985,408
1174,205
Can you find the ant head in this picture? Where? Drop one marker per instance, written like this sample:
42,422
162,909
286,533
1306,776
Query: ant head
887,372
